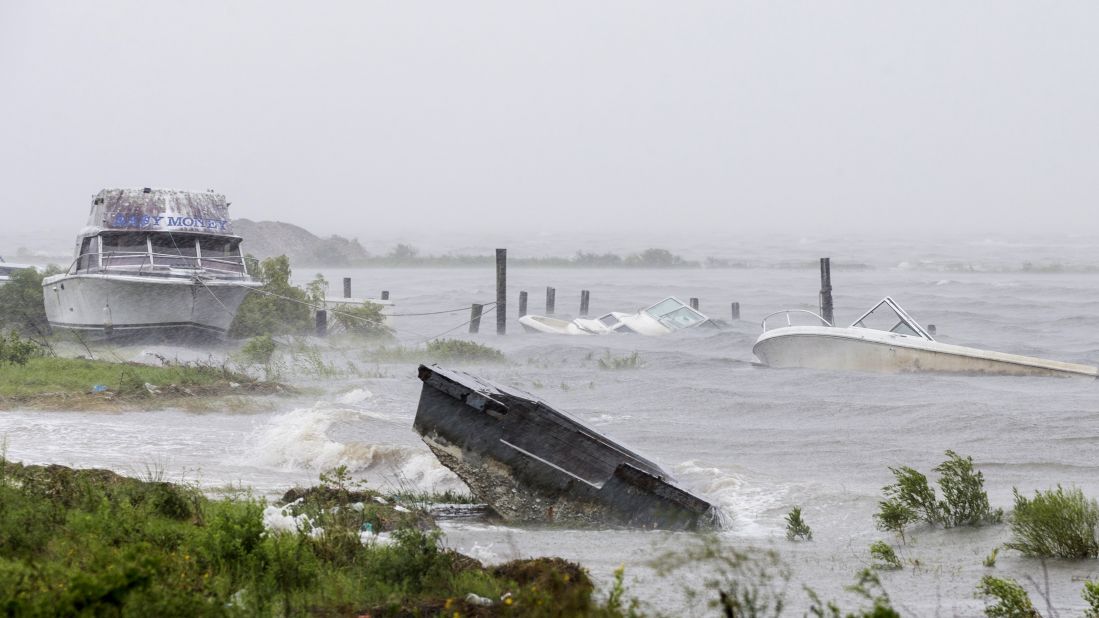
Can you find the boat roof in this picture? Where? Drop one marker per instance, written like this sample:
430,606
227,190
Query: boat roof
159,210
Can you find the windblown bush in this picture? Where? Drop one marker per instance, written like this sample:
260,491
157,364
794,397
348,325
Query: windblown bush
365,319
277,307
1055,523
911,498
1012,601
21,303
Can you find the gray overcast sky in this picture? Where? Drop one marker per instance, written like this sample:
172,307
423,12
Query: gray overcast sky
360,117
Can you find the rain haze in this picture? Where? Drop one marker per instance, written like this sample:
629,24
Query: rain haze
671,175
382,120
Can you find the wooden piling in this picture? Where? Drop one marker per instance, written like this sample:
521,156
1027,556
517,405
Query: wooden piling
501,291
385,294
826,289
585,296
475,318
347,287
551,300
694,304
322,323
736,311
522,303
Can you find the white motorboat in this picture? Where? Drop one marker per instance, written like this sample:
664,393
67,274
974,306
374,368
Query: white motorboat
886,339
152,261
666,316
7,268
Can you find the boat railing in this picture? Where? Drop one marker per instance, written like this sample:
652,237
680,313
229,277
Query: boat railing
789,322
142,263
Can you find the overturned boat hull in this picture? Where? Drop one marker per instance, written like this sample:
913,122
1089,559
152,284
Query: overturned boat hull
862,349
531,463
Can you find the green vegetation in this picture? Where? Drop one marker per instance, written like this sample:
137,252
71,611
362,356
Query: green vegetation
14,350
734,582
277,307
89,542
258,350
21,304
796,528
1011,600
882,556
438,350
911,498
51,382
868,586
990,559
365,319
630,361
1055,523
1091,596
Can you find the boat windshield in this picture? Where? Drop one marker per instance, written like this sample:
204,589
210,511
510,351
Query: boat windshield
674,314
888,316
608,320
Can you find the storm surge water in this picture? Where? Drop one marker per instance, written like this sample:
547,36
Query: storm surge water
755,441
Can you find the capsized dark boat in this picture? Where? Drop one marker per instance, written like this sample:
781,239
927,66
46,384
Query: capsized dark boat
532,463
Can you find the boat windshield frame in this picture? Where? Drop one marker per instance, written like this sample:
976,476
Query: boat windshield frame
905,321
681,309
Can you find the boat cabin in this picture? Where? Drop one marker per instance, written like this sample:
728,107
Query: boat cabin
674,314
159,232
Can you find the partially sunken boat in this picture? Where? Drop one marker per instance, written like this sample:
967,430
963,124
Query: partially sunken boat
152,262
531,463
886,339
666,316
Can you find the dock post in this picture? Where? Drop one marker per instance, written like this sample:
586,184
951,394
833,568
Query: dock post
826,289
322,323
551,300
501,291
694,304
736,311
385,294
475,318
347,287
585,296
522,303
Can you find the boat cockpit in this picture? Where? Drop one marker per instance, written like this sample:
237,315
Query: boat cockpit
888,316
674,314
160,254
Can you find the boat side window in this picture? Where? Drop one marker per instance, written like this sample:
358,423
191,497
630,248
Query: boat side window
608,320
88,257
222,254
664,307
125,249
175,250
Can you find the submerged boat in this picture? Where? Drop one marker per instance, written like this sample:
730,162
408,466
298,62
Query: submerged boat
8,268
156,262
886,339
666,316
531,463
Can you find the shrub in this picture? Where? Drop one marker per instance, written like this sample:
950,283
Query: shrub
965,502
796,528
1012,601
911,498
258,350
21,302
1055,524
882,556
277,308
365,319
631,361
15,350
1091,595
459,349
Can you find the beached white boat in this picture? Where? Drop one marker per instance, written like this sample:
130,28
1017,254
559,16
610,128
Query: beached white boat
7,268
886,339
152,261
666,316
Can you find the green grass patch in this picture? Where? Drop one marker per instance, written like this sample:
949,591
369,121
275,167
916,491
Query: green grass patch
452,350
90,542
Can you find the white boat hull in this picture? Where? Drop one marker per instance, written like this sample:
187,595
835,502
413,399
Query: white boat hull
118,305
860,349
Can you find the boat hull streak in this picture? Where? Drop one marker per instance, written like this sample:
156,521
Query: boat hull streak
859,349
531,463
